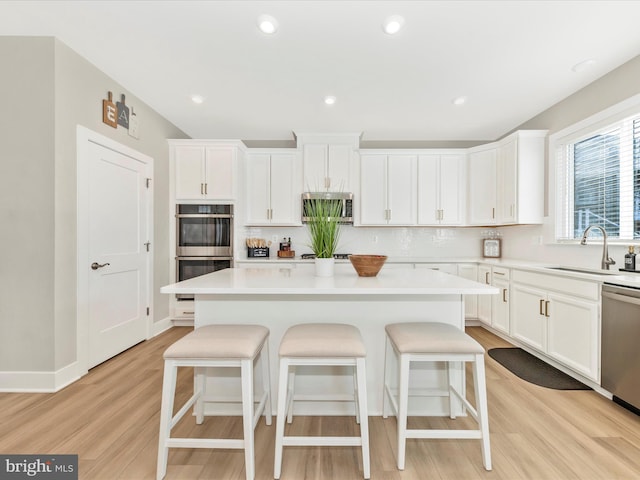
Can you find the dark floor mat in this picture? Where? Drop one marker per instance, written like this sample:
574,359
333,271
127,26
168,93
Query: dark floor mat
533,370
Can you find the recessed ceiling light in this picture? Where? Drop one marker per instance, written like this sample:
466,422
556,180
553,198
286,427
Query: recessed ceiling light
329,99
267,24
579,67
459,100
393,24
197,99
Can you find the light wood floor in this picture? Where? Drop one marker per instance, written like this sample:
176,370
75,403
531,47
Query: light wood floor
110,419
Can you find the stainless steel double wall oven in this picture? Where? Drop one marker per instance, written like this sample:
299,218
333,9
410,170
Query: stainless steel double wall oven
204,242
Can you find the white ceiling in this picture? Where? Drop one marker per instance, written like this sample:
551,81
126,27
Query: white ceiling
512,59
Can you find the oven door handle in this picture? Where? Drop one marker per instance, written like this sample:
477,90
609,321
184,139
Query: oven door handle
621,298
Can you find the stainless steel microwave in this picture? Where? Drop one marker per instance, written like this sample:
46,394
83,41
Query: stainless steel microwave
344,199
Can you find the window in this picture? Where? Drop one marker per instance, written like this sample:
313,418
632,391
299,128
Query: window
598,181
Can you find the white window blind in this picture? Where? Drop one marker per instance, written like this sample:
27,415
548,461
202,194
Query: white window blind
598,181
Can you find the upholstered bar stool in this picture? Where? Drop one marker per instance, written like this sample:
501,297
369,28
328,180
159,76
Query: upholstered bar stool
434,342
321,344
232,346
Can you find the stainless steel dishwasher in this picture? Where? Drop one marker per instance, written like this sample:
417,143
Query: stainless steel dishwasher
620,373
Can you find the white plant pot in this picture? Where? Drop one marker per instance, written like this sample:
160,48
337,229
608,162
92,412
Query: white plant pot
324,267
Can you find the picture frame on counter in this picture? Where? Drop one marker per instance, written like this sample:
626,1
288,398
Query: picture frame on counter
491,248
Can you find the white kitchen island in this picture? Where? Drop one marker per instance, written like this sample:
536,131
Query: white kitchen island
279,298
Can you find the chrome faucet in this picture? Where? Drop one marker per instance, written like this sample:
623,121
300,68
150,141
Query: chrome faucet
606,259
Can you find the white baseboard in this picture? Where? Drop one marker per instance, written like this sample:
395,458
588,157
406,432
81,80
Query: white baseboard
182,322
163,325
49,382
39,381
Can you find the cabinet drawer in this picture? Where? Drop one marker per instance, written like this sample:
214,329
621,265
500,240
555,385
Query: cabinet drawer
569,286
501,273
184,310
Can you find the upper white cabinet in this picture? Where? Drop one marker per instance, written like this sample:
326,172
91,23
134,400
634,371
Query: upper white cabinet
506,180
388,189
273,188
204,170
327,167
441,189
482,187
328,160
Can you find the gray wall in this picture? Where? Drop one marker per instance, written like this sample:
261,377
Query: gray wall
523,241
612,88
27,168
55,90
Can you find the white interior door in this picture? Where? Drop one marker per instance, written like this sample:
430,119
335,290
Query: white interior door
118,261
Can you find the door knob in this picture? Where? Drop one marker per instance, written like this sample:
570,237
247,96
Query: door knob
96,265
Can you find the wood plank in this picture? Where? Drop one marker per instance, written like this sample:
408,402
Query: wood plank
110,419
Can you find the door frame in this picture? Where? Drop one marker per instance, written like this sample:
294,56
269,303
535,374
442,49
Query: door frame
84,137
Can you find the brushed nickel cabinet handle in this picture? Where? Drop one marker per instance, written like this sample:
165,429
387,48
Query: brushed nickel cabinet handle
541,307
546,308
504,295
486,278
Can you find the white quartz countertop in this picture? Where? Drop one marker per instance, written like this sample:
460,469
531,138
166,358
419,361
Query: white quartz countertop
302,281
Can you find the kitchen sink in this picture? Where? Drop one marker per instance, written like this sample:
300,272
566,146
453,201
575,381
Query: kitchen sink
582,270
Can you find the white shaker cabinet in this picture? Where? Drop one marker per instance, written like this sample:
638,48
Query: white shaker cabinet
204,170
560,317
327,167
500,302
388,189
327,160
484,301
529,318
506,180
273,189
482,187
441,189
520,194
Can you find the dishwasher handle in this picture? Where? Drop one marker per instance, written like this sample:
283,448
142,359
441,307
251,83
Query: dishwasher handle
621,298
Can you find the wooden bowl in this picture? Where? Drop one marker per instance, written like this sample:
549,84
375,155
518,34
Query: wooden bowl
367,265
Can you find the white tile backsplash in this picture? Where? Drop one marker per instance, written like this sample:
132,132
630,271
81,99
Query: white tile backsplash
391,241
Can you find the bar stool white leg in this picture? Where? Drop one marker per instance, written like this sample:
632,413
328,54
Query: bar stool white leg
361,406
200,387
166,413
483,415
403,404
450,367
246,368
266,382
356,393
386,393
280,416
291,392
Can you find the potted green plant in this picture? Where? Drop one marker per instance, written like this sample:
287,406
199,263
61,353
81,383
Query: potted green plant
324,232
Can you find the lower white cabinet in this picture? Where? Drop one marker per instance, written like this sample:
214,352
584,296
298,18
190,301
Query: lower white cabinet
484,301
573,333
529,320
500,303
559,317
